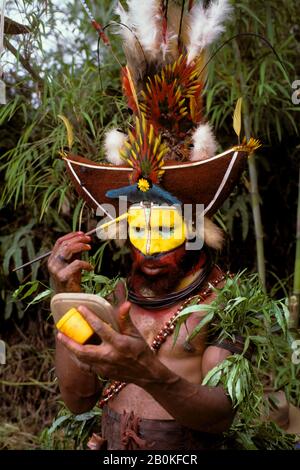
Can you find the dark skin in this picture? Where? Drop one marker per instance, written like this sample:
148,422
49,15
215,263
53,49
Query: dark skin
160,382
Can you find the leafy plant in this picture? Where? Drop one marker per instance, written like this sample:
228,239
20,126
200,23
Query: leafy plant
69,430
242,312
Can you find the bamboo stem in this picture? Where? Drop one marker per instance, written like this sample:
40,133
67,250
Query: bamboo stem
297,260
254,192
294,301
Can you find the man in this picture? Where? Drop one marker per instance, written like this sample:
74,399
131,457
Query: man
163,405
157,400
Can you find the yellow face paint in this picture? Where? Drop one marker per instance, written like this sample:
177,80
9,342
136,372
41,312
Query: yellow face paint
156,229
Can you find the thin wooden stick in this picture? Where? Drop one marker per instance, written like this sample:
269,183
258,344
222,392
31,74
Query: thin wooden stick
91,232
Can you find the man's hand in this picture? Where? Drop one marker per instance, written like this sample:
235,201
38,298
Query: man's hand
65,265
121,356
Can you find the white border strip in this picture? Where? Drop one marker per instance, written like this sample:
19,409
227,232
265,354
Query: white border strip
166,167
223,182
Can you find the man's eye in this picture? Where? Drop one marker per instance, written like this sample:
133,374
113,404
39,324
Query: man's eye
166,231
138,230
164,228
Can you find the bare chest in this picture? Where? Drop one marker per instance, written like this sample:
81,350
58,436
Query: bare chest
152,325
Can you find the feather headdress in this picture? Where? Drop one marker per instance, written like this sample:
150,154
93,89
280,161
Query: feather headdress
168,155
165,45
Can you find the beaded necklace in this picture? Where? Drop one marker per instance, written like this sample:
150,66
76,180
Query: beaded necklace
167,330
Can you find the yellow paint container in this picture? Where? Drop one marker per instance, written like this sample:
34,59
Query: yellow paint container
73,325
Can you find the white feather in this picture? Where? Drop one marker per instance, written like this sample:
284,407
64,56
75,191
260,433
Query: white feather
206,25
204,141
166,47
213,235
145,16
113,142
132,48
126,32
208,231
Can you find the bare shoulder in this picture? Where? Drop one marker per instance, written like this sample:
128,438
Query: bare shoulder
213,356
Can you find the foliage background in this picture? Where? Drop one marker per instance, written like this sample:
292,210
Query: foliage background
60,75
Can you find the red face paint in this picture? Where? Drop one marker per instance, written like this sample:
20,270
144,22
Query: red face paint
162,273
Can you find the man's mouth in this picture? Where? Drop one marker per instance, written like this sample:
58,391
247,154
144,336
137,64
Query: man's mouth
152,269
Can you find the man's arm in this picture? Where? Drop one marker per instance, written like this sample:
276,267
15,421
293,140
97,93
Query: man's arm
79,388
127,357
203,408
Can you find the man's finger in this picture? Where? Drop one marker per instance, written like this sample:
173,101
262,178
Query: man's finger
68,250
71,269
85,367
68,237
102,329
127,326
56,264
84,352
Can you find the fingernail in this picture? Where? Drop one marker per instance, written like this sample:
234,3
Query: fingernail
59,335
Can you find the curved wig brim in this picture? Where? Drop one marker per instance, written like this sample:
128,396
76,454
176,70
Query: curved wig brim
207,182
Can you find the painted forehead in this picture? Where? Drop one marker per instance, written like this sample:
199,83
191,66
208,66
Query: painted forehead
155,213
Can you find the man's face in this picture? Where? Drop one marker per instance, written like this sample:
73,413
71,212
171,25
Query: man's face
157,235
154,230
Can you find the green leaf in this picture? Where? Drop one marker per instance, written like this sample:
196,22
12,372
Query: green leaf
213,377
30,287
207,319
57,423
41,296
90,122
194,308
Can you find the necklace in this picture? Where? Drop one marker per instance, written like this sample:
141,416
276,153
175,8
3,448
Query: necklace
167,330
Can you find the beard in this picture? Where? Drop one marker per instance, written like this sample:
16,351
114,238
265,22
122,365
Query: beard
160,274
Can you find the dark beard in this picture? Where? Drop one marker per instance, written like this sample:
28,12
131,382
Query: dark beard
155,285
178,263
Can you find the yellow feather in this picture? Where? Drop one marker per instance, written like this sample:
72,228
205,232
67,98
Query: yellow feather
161,155
132,88
138,126
237,117
151,134
131,136
156,144
148,87
123,155
144,124
69,128
201,66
